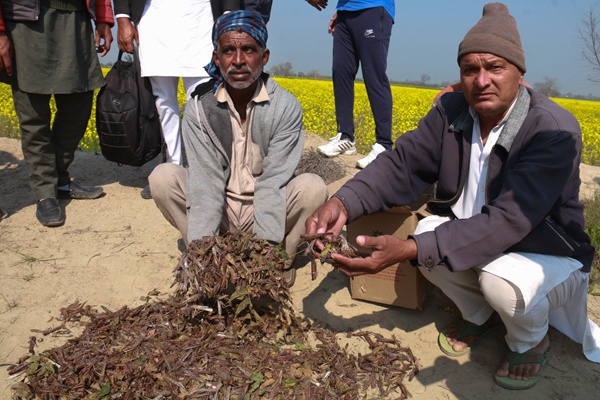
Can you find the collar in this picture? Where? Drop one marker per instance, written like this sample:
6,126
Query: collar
513,120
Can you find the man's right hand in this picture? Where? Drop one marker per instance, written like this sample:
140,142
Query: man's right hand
126,35
330,217
6,53
331,26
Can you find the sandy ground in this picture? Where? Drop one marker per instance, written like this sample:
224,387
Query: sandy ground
114,250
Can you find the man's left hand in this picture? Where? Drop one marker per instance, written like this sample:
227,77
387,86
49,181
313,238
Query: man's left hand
103,32
387,250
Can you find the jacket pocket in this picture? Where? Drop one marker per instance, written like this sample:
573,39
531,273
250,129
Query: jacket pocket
551,239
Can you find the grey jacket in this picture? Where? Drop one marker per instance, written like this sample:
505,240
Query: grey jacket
532,191
207,135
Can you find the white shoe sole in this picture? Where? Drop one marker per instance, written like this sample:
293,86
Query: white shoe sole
351,151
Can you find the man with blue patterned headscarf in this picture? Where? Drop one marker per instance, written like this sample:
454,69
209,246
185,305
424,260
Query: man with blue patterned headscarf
243,141
242,21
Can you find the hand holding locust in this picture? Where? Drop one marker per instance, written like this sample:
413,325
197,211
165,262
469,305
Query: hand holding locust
387,250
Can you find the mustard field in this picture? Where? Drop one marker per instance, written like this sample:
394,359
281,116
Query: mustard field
316,98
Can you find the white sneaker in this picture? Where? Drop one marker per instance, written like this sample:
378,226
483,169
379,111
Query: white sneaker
376,149
337,146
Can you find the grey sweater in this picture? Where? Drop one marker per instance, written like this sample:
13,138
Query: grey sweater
277,132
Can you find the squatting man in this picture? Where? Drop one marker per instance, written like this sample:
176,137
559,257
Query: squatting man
506,240
243,140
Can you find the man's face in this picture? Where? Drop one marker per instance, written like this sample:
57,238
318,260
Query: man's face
490,84
240,59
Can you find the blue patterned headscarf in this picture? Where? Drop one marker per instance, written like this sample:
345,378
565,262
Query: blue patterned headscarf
249,22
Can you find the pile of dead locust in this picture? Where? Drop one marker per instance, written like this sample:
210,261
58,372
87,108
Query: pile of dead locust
327,168
228,332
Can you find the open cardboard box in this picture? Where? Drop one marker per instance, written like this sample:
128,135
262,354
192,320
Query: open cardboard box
400,285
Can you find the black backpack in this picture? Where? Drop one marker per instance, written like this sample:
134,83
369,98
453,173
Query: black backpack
126,118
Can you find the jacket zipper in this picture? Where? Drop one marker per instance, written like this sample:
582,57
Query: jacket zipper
549,223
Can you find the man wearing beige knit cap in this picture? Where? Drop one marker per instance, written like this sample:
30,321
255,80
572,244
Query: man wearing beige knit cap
505,239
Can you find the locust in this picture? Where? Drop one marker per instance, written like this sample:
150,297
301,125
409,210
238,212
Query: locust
331,244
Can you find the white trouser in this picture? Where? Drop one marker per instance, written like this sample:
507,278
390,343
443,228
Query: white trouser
477,294
165,90
524,289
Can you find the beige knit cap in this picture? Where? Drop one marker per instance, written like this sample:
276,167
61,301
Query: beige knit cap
495,33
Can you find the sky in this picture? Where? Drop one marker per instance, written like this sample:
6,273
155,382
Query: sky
426,34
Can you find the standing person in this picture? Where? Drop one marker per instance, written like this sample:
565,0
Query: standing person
174,42
361,32
49,48
506,241
243,144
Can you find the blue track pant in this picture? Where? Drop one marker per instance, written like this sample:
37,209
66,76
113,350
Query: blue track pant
363,37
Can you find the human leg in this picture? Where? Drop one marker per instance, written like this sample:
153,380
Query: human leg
167,105
190,83
373,50
33,111
478,316
305,193
168,184
344,69
526,326
70,123
464,290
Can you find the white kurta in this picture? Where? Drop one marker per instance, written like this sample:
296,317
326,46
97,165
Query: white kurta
175,38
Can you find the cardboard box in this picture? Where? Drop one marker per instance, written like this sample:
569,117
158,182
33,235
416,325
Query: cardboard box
400,285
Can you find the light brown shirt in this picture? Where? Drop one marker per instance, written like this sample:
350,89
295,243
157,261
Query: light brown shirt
246,161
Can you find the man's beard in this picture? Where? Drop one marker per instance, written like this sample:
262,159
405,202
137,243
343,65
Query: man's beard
241,85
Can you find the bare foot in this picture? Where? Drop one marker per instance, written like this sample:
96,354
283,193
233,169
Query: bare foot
452,334
524,371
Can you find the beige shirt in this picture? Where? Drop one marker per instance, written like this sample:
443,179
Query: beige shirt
246,161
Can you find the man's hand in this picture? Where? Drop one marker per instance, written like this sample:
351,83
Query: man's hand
103,38
318,4
126,35
387,250
6,53
331,27
330,217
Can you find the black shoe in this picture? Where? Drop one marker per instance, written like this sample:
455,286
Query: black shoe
49,212
146,193
80,192
3,214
